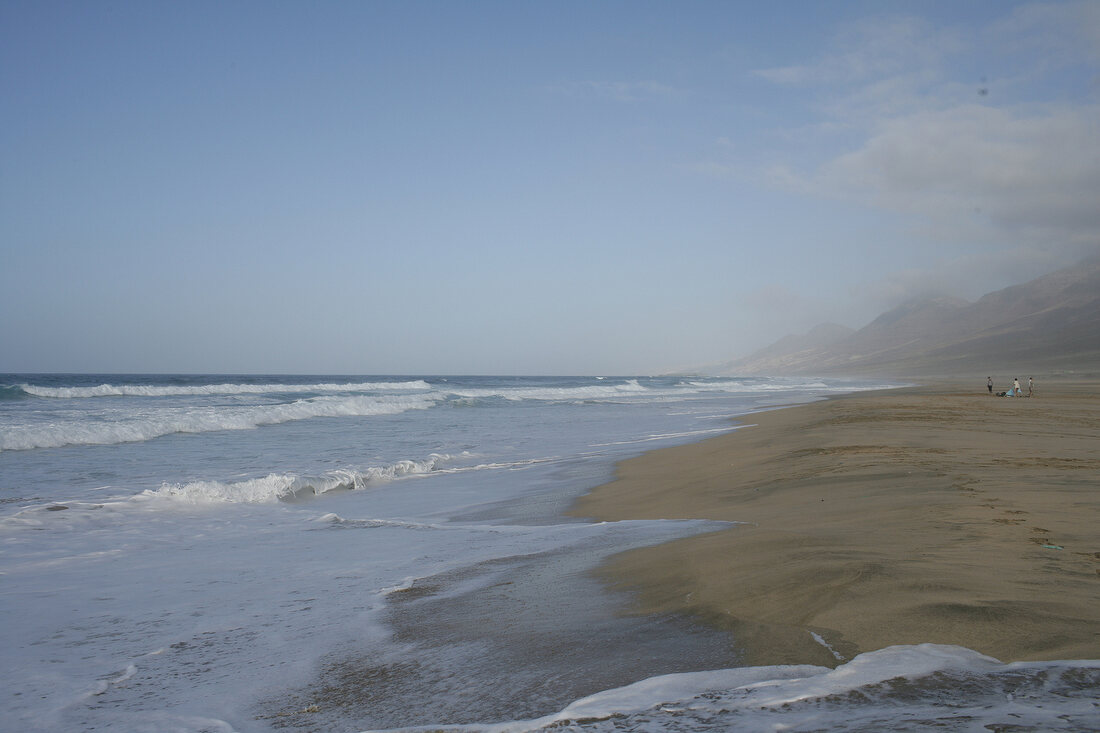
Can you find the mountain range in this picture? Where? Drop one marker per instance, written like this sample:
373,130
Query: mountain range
1050,324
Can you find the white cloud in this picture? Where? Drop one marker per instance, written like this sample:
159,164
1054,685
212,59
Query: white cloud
1034,173
1004,170
984,141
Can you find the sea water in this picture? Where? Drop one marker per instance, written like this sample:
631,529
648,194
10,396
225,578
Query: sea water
244,553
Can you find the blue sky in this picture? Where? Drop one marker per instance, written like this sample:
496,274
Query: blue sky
522,187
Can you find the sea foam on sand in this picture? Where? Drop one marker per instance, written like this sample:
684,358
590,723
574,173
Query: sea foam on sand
897,688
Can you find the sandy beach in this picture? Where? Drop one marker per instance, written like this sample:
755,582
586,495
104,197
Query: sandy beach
926,514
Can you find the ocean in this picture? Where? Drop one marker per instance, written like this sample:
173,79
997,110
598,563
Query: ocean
347,553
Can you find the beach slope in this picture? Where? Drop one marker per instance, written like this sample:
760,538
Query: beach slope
941,515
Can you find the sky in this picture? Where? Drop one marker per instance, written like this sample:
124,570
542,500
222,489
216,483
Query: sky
523,187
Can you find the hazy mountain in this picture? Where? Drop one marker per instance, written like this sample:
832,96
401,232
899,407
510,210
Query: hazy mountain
1051,323
789,353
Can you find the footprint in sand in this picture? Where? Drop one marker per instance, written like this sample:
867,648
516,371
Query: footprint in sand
1039,535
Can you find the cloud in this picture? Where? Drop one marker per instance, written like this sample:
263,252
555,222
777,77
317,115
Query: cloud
985,141
1009,163
1034,173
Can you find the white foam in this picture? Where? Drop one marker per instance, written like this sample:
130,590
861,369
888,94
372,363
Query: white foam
871,668
104,685
955,687
630,387
754,385
154,423
144,390
272,488
775,384
668,436
141,421
284,486
406,584
821,640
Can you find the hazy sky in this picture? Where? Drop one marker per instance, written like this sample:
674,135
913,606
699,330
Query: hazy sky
522,187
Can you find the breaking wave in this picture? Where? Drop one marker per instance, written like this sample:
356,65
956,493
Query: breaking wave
12,392
289,487
154,423
60,422
143,390
629,388
275,487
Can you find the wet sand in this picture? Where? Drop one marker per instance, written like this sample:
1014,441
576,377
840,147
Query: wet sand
928,514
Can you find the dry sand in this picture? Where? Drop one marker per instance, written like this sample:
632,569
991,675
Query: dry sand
931,514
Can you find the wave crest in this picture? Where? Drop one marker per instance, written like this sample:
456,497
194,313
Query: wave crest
631,387
289,487
140,390
156,423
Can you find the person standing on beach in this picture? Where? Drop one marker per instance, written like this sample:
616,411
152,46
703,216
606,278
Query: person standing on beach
989,384
1030,386
1015,386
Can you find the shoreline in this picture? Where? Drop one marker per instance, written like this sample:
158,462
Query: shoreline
933,513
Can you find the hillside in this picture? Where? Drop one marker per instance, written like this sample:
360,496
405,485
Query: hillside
1050,323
